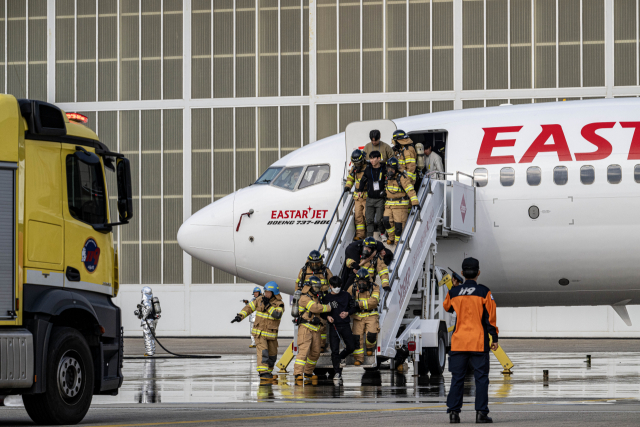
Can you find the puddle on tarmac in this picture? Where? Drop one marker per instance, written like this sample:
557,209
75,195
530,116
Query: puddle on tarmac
234,379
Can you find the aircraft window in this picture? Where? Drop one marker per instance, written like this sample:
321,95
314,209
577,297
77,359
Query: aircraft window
268,175
507,177
314,175
636,173
288,178
560,175
534,175
587,175
614,174
481,177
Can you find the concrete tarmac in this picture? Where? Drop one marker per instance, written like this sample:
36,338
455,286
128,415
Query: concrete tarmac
227,391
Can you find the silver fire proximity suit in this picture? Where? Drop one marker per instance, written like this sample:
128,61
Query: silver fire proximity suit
148,320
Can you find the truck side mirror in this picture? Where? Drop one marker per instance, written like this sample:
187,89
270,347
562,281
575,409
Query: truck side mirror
125,202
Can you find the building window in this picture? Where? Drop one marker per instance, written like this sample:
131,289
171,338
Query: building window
636,173
507,176
534,175
85,191
614,174
560,175
587,175
289,178
314,175
481,177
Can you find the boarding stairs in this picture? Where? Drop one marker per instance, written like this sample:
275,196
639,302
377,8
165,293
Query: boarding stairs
412,321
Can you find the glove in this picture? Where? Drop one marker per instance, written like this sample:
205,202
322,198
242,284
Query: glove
334,304
346,189
316,321
415,209
236,319
353,304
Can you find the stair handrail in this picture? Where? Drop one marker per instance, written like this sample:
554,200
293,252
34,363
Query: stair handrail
399,254
331,247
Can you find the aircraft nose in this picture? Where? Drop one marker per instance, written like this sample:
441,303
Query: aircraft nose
208,235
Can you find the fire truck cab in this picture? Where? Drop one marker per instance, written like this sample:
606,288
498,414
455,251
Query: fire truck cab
60,332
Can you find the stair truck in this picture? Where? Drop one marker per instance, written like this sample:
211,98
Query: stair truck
61,338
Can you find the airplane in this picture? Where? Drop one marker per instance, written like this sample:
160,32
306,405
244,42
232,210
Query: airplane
557,194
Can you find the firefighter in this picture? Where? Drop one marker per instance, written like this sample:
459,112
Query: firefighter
148,312
373,256
399,193
475,322
406,154
252,317
360,197
309,324
269,310
315,267
366,296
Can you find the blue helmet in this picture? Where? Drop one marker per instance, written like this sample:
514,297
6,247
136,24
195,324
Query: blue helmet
257,289
273,287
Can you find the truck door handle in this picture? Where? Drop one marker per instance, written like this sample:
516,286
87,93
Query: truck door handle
73,275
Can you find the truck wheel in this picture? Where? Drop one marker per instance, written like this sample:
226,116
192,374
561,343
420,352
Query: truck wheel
69,374
437,356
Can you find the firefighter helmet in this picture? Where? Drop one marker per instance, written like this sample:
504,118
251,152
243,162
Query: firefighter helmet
258,290
369,245
393,166
400,134
357,157
273,287
315,260
362,279
316,284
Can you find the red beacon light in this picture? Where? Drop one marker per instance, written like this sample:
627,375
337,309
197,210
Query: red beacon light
77,117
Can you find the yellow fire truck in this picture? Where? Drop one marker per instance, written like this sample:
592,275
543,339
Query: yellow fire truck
60,332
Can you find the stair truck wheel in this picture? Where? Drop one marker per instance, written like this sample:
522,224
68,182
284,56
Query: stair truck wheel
437,357
69,375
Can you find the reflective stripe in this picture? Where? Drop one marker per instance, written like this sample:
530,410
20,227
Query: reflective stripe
312,327
244,314
365,305
411,175
373,313
360,227
372,343
401,161
300,362
377,296
309,305
385,271
390,230
261,368
393,188
252,305
311,362
359,351
409,188
398,203
410,160
414,198
265,316
323,336
264,333
383,282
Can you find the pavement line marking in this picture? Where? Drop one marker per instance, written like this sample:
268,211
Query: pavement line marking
270,417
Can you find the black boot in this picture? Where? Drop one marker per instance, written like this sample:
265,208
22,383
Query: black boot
482,418
454,417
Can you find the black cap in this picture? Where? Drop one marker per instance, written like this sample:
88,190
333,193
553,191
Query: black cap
374,153
470,264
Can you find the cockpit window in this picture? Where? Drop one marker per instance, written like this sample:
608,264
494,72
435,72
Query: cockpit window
314,175
289,178
268,175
